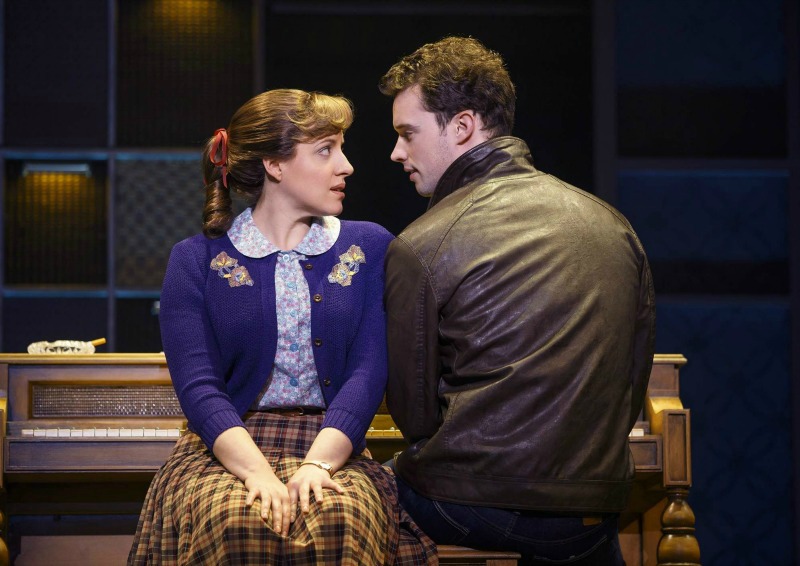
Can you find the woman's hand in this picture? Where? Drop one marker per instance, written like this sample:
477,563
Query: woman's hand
274,496
305,480
241,457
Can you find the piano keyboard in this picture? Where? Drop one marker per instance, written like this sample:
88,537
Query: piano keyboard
101,432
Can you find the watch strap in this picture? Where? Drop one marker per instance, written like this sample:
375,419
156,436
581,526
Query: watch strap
319,464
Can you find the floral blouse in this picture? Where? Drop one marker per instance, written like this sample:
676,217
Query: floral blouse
293,381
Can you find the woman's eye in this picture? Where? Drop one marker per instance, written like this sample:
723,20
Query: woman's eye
325,150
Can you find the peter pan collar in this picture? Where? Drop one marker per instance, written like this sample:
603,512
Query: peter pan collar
249,241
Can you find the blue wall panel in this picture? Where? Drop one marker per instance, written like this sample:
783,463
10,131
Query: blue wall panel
737,385
708,215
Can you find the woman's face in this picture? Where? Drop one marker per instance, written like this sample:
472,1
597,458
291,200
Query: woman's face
313,180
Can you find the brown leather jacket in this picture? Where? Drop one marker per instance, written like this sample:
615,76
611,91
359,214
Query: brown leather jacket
521,324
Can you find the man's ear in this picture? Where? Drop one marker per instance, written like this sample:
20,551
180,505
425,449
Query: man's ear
273,169
465,125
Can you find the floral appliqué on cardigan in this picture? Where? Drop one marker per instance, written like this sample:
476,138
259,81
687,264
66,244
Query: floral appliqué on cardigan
229,268
348,265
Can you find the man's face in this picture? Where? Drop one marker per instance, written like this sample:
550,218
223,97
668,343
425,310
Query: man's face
424,150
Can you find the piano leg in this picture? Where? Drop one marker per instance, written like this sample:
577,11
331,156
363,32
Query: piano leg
678,544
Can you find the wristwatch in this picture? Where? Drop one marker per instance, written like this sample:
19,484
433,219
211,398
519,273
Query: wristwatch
320,464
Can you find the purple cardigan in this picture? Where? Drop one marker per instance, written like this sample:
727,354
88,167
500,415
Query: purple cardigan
220,341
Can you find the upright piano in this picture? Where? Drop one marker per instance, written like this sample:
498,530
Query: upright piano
83,435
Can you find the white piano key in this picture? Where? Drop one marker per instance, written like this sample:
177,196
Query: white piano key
174,433
137,432
88,432
124,432
636,432
161,432
149,432
39,432
63,432
51,432
76,432
111,432
27,432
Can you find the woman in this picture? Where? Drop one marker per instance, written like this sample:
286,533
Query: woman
273,329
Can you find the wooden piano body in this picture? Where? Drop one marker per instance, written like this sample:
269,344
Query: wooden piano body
82,435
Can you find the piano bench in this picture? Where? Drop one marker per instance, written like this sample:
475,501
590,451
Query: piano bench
469,556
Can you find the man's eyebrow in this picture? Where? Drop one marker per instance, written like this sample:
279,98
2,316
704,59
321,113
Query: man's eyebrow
399,127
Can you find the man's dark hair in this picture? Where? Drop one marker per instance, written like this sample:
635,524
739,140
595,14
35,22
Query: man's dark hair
455,74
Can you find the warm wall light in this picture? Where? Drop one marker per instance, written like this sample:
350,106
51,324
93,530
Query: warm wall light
188,16
77,168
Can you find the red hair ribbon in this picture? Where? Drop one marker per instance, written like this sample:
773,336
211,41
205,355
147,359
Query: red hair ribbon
220,147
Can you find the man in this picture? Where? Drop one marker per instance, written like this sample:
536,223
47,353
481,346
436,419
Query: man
520,326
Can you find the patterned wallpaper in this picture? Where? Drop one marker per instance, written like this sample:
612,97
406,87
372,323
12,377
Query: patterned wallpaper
159,202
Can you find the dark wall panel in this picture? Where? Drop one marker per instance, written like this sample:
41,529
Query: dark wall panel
28,320
706,122
548,54
710,79
737,385
137,325
183,65
56,73
701,79
711,232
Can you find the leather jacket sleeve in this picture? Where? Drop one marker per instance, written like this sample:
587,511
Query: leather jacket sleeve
644,340
412,320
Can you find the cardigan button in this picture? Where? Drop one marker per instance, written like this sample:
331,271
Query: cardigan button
309,266
317,341
317,298
327,383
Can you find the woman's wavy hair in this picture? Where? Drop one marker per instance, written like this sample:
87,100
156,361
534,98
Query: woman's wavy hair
268,126
455,74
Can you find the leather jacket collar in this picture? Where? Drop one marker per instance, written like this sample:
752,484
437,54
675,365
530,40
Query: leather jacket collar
498,156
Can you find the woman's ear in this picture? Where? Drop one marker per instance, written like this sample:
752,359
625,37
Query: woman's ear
273,168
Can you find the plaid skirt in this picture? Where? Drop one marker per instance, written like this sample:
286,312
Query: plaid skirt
195,511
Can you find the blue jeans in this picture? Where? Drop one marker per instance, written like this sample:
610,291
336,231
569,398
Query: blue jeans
541,538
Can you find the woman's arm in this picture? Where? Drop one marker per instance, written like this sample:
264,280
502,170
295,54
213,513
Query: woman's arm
351,411
365,372
332,447
194,363
190,344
